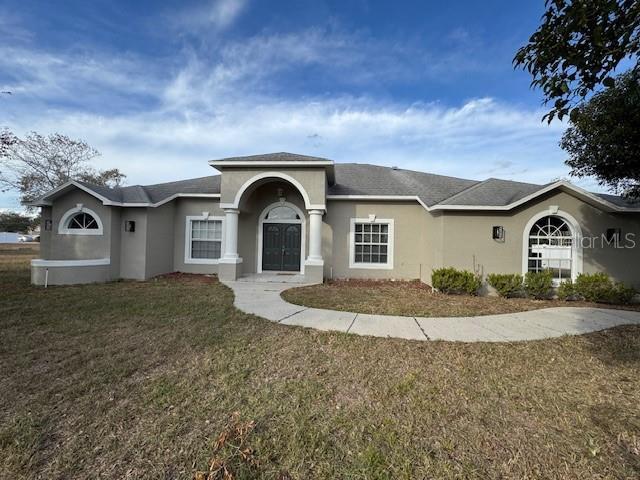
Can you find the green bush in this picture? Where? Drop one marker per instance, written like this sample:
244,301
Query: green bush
507,284
451,280
538,284
566,290
598,287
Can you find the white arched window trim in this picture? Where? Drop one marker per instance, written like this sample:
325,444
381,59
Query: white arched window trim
63,226
302,221
576,244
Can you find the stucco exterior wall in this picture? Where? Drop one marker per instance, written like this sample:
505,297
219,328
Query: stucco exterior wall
79,247
184,207
45,235
412,252
313,180
469,242
133,256
160,240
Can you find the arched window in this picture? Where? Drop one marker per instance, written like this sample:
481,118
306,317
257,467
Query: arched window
282,213
80,221
551,246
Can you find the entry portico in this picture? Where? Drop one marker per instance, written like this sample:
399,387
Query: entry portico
290,196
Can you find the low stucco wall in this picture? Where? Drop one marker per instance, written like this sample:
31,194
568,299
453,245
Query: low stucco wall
70,275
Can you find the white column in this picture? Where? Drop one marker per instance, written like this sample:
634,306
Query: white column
231,236
315,238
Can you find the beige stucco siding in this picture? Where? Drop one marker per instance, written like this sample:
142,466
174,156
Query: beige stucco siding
469,244
160,240
133,257
190,207
412,253
312,180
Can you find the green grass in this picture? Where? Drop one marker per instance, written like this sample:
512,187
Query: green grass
415,299
138,380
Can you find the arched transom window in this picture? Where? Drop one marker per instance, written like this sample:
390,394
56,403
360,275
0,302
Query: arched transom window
551,247
282,213
80,221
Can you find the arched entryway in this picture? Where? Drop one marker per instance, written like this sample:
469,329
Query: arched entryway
281,238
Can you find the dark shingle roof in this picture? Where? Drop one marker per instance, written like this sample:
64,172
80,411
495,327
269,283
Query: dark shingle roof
159,191
364,179
360,179
494,192
275,157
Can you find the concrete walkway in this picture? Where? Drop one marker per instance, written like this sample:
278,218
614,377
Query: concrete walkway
263,299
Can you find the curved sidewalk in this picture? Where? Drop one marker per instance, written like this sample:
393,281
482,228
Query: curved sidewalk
264,300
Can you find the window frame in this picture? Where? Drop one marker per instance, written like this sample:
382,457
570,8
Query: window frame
189,219
390,243
63,225
576,243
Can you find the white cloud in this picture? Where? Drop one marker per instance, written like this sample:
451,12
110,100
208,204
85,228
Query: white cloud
160,121
214,14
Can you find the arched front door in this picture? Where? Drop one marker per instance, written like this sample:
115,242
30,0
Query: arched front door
281,240
281,247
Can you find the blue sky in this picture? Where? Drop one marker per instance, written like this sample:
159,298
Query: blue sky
159,88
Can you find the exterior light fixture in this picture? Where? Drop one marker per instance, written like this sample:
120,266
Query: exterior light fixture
498,233
130,226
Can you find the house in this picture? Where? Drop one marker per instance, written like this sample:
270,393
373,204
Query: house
283,212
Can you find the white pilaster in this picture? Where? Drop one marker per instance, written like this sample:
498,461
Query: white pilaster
231,236
315,238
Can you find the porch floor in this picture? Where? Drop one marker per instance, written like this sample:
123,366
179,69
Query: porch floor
273,277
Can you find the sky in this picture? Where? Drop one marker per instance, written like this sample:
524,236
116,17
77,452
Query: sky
159,87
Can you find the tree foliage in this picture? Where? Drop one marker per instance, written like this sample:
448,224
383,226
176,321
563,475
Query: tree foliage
17,222
603,139
577,48
36,164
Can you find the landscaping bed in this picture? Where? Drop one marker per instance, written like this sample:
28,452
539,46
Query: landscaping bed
415,299
142,380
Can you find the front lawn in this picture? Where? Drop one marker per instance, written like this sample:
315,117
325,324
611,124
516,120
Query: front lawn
415,299
138,380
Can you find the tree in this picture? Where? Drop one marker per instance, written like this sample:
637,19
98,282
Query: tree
578,47
37,164
603,139
16,222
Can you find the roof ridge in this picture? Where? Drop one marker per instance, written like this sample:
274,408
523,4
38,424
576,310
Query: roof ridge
465,190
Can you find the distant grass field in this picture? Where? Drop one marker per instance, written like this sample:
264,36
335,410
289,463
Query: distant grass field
139,380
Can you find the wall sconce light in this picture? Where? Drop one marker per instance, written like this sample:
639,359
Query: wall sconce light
498,233
130,226
48,225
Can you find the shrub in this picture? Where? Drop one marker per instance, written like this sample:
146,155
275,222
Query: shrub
506,284
598,287
451,280
566,290
538,284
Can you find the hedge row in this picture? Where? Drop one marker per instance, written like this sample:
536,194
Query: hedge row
595,287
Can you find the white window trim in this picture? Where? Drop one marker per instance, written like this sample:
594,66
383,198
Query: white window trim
352,244
63,226
302,221
576,244
187,241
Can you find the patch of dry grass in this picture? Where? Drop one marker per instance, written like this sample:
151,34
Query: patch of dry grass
138,380
414,299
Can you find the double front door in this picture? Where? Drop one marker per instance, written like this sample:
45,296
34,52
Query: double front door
281,246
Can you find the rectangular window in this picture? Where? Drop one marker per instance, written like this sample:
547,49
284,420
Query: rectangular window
203,240
371,244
